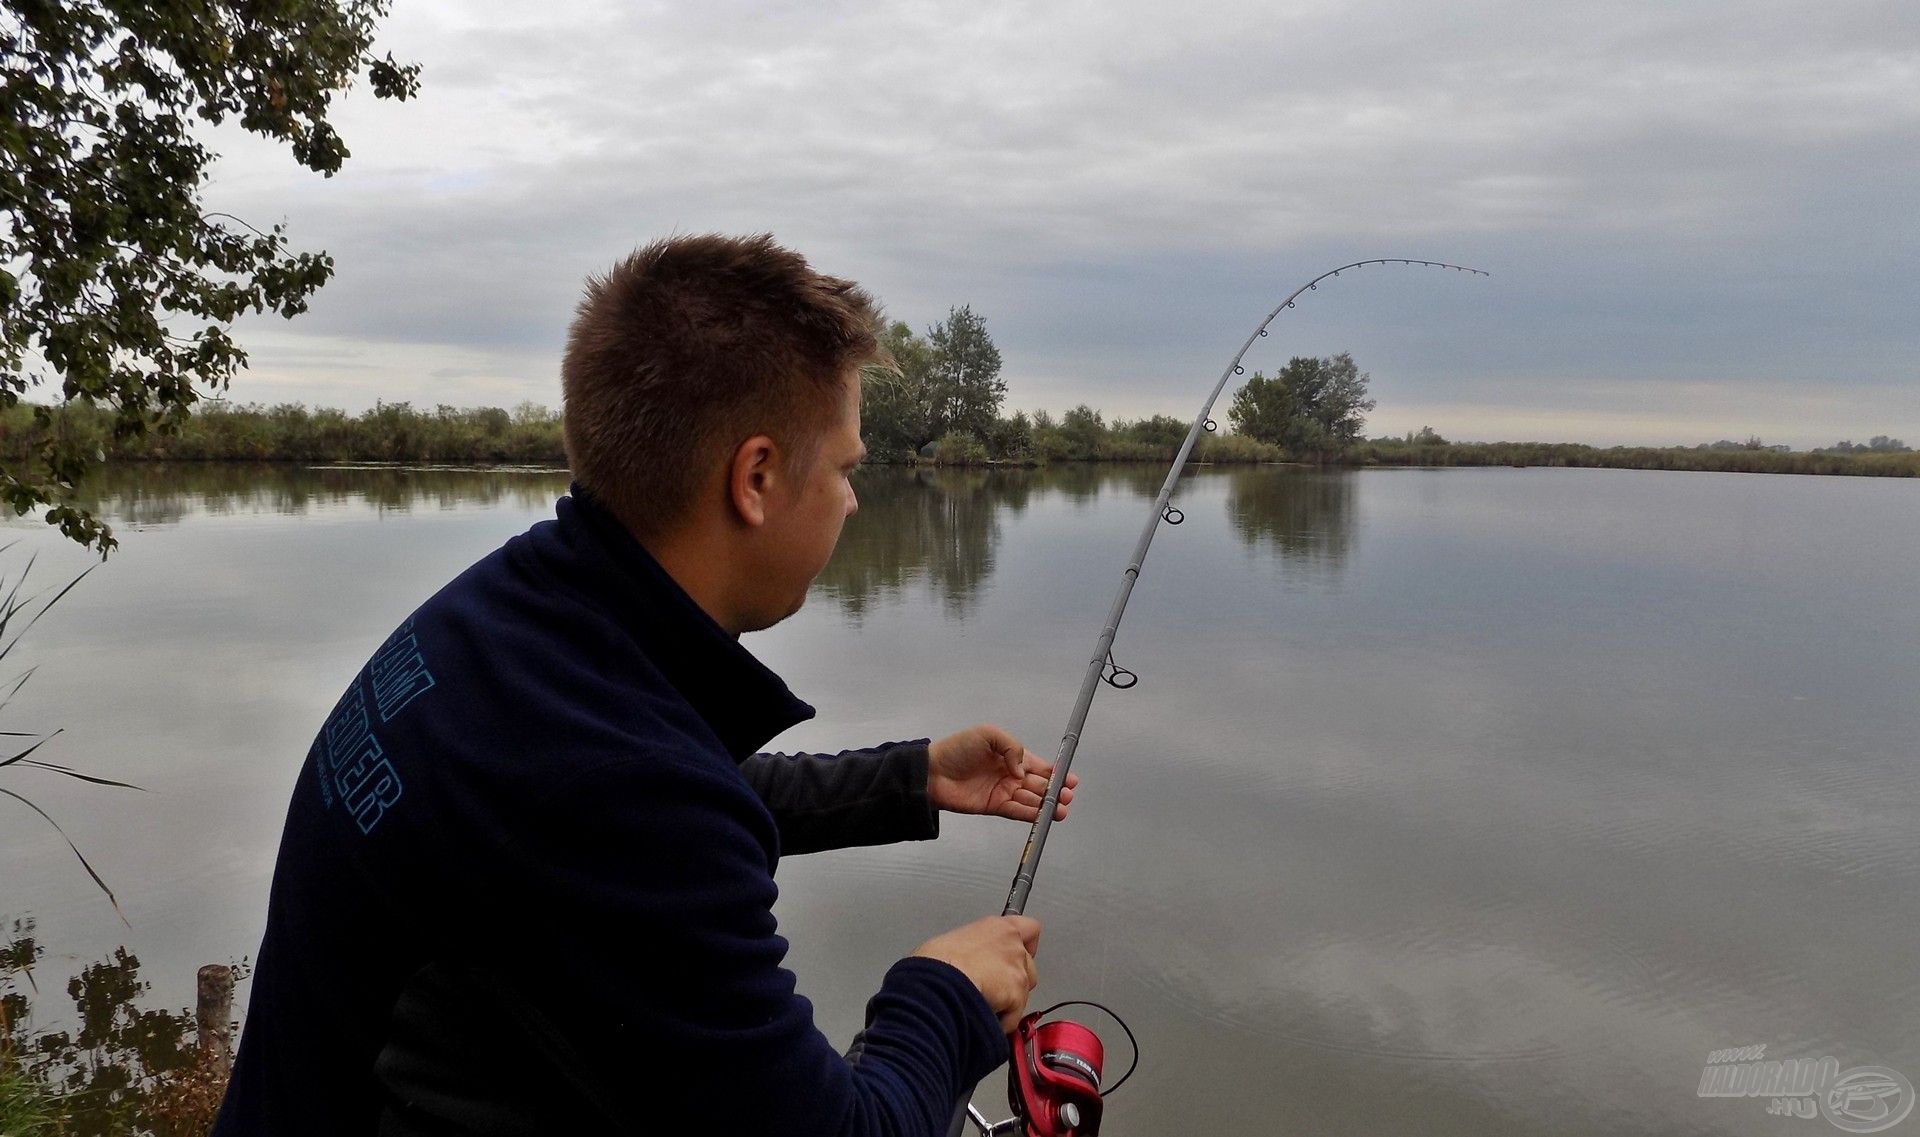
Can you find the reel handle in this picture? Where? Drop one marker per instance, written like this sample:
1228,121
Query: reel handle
989,1128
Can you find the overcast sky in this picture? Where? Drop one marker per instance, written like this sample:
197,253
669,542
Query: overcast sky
1699,214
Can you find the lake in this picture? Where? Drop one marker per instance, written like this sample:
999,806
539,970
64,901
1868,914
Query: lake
1469,801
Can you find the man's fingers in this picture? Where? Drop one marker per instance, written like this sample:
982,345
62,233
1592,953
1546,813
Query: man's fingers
1012,753
1032,792
1029,930
1038,787
1024,805
1017,811
1028,810
996,953
1039,768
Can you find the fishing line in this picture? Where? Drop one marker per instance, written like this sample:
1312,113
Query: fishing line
1102,667
1031,1104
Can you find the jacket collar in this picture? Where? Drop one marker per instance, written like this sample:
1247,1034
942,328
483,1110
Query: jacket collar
740,698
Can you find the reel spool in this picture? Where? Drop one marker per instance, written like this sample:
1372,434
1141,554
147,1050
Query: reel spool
1053,1082
1053,1079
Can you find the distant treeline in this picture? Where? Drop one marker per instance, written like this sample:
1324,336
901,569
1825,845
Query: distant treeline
289,432
530,435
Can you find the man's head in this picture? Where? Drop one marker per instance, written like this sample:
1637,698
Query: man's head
706,380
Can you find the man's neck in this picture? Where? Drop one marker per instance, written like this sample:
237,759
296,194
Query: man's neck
699,563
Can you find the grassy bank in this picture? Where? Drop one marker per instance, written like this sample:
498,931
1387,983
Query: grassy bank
1899,464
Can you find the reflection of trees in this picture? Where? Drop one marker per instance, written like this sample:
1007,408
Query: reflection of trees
937,526
1307,516
1084,482
1141,480
160,493
1080,481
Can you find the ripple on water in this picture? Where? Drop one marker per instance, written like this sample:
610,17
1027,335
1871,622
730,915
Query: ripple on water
1424,993
929,871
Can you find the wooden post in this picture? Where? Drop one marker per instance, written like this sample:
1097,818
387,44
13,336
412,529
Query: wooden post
214,1015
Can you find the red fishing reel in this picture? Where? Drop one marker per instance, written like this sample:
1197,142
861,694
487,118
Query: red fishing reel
1053,1081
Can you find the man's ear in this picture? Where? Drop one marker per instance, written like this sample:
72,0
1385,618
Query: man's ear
751,477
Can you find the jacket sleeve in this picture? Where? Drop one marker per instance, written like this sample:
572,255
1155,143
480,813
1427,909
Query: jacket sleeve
653,885
874,796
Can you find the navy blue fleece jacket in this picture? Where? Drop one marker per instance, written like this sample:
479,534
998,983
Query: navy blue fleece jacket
526,882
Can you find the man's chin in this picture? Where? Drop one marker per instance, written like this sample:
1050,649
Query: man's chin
761,622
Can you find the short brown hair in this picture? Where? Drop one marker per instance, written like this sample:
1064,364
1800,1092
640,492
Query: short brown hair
692,345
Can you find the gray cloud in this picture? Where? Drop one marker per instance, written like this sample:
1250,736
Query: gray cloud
1670,193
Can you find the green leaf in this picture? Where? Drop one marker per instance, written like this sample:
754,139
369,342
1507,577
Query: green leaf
84,863
107,234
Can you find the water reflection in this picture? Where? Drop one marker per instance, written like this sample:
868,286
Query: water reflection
940,527
1083,483
141,494
1306,516
916,527
937,527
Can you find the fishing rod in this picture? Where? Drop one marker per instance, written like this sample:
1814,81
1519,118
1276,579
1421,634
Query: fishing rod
1054,1079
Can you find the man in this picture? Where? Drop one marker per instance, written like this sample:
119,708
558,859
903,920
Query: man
526,881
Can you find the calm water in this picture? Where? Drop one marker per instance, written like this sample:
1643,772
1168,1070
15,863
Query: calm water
1460,802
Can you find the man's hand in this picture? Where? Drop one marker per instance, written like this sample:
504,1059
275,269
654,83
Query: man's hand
997,954
983,769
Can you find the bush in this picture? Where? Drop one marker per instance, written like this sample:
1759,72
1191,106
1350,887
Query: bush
960,449
1010,439
1084,430
1236,448
1162,431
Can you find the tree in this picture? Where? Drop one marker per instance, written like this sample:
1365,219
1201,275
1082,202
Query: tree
115,279
1312,407
894,413
949,382
1263,409
1084,429
967,388
1878,444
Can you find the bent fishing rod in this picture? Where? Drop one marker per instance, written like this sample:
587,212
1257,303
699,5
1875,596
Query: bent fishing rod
1053,1082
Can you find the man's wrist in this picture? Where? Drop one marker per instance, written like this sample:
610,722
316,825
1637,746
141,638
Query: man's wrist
920,784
